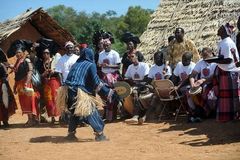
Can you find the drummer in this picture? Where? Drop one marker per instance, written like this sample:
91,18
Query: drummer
160,70
136,75
181,74
202,76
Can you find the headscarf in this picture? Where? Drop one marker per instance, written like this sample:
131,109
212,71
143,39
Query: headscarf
23,44
87,54
128,36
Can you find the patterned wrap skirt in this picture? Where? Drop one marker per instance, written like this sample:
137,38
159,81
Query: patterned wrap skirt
28,99
50,87
227,90
110,110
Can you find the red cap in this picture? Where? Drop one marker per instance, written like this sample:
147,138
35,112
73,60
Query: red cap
83,45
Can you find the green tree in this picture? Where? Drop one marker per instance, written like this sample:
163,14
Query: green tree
65,16
82,25
137,19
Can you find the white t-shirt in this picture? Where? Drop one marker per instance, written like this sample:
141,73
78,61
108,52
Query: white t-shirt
156,72
183,71
137,72
55,58
227,48
206,69
111,58
64,64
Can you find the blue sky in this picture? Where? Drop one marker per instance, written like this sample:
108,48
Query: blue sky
12,8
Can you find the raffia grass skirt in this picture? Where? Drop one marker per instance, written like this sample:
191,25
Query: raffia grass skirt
84,103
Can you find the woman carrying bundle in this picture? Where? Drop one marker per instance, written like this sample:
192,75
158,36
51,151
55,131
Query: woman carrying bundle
28,98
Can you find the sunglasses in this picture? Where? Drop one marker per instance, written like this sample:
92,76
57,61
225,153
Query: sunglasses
69,47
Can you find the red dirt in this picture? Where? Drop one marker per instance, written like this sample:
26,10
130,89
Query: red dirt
166,140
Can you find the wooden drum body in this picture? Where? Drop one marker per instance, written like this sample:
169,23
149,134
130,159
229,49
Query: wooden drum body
196,94
128,104
146,99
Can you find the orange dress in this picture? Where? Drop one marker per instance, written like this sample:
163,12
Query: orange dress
28,98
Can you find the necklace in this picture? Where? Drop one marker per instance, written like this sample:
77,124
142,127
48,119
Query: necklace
47,64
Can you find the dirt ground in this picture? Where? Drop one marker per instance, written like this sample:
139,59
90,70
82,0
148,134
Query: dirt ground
167,140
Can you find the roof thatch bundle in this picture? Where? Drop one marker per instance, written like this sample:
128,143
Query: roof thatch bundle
32,25
199,18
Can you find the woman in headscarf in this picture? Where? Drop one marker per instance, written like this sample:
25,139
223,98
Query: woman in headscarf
28,98
226,77
131,41
50,84
7,101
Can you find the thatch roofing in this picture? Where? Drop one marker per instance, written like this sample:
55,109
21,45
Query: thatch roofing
43,23
199,18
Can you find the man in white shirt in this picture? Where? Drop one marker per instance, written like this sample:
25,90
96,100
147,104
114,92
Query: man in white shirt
136,75
109,61
203,70
184,68
63,67
66,61
202,75
181,76
137,71
160,70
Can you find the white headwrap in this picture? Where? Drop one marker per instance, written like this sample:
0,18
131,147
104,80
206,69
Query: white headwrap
107,41
68,43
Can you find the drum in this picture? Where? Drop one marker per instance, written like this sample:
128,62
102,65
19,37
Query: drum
128,104
145,97
214,59
124,91
196,95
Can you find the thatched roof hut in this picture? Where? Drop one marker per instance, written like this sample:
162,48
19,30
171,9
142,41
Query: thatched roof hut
199,18
32,25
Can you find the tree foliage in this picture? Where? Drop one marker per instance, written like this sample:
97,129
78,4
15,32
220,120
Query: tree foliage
82,25
137,19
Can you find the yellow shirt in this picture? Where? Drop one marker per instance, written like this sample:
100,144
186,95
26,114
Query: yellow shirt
176,50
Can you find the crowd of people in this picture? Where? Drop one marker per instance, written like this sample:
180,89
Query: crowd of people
80,73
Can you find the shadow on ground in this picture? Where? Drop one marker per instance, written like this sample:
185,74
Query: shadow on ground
56,139
41,125
216,133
